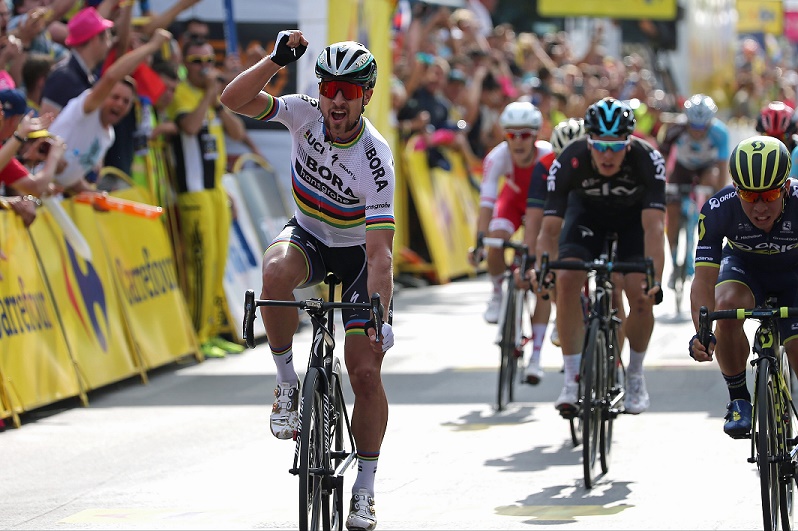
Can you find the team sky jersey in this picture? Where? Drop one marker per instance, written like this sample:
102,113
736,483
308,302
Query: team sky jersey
697,154
639,184
723,217
498,163
341,190
536,196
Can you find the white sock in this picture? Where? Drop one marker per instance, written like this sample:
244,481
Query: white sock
572,363
366,470
635,362
284,361
497,284
538,335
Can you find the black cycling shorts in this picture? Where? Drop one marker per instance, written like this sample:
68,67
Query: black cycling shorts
584,233
347,263
779,283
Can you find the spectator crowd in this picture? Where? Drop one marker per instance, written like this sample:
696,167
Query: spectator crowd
87,87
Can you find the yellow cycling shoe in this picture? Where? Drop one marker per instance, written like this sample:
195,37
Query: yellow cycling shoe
210,350
228,346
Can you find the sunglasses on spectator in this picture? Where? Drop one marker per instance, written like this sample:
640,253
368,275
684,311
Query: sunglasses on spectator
523,134
603,145
768,196
200,59
351,91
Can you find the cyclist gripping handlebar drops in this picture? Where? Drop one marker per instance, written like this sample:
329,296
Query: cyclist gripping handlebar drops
755,217
343,184
606,182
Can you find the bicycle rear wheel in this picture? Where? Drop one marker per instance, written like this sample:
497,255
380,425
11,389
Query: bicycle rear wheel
508,361
590,382
613,390
313,460
766,440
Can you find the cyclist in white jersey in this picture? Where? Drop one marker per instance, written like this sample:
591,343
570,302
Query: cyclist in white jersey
343,185
696,148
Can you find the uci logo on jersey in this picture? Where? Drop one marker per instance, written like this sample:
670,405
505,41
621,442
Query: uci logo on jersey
314,144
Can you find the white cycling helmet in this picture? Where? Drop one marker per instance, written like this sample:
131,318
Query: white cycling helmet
565,132
521,115
347,61
700,109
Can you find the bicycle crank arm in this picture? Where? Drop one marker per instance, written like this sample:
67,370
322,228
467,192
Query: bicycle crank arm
346,463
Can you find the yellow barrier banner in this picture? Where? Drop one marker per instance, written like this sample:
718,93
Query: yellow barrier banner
85,297
35,362
447,207
150,296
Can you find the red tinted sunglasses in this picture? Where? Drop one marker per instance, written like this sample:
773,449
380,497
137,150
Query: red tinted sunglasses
768,196
329,89
526,134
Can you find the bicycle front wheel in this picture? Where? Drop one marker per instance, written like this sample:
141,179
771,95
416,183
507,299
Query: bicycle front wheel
787,465
612,392
507,362
342,447
313,459
590,382
766,441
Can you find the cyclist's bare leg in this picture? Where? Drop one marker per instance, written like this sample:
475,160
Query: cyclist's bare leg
640,321
673,214
732,347
618,304
791,347
542,311
284,268
370,412
570,324
495,256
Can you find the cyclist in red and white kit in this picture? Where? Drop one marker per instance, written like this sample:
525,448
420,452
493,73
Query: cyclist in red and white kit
562,135
501,213
343,185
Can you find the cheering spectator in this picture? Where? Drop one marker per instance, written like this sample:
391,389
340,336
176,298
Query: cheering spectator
86,123
90,40
201,161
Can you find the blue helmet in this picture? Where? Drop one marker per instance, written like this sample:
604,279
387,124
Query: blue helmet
610,117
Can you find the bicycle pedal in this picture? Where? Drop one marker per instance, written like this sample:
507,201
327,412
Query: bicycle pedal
569,413
740,436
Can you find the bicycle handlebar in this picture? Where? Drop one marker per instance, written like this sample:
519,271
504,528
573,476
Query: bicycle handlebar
519,248
705,317
599,265
314,306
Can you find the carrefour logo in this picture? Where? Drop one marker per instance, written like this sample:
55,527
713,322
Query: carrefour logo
90,288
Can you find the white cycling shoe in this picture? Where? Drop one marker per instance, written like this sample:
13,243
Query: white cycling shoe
362,515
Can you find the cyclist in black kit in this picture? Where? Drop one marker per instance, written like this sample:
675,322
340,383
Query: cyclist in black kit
606,182
760,257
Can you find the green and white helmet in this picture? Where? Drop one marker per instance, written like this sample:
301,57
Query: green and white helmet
347,61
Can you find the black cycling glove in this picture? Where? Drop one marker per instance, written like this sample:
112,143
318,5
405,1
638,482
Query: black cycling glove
659,295
712,340
284,54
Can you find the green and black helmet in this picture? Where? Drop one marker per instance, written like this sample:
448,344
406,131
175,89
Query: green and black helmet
760,163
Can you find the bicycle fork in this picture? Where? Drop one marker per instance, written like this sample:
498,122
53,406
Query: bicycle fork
519,339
